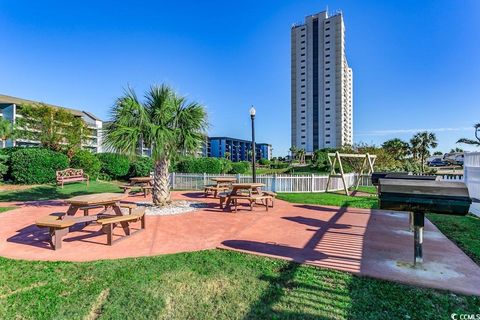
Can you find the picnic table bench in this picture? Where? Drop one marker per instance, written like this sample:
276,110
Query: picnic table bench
71,175
222,184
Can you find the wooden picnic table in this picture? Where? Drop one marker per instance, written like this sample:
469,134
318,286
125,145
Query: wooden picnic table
239,188
111,202
144,183
224,179
222,184
141,180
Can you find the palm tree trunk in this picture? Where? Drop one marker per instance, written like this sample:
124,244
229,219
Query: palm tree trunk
161,186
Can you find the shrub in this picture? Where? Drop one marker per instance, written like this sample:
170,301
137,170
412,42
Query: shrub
141,167
3,165
36,165
226,165
264,162
201,165
87,161
114,166
240,167
279,165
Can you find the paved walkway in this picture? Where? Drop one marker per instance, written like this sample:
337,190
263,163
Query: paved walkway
367,242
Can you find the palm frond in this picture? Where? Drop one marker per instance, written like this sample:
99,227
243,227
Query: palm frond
127,126
469,141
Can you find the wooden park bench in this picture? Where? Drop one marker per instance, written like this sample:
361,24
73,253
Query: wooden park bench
71,175
111,222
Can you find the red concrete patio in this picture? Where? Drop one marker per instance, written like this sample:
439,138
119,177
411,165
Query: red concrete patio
366,242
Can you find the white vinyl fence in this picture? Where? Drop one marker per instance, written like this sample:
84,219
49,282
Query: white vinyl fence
276,183
471,170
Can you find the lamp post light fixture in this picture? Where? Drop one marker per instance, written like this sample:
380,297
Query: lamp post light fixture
252,116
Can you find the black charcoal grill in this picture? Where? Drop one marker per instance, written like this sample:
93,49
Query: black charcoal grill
419,196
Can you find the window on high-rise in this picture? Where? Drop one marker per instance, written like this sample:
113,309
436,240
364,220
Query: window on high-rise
327,29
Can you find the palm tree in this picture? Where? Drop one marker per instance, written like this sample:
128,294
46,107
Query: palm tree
227,155
6,130
421,144
471,141
301,155
398,148
165,122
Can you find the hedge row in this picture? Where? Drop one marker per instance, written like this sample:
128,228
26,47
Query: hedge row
39,165
211,165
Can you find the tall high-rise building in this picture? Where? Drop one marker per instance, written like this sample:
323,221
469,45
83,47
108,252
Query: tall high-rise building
322,100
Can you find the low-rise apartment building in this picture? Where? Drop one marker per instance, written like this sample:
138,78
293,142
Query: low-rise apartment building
10,110
235,149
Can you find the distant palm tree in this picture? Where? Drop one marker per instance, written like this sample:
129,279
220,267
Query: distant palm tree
398,148
471,141
227,155
6,130
421,144
301,155
167,124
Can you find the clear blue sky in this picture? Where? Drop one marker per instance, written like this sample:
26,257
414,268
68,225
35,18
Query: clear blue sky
416,63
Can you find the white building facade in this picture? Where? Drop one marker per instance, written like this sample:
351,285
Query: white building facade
321,84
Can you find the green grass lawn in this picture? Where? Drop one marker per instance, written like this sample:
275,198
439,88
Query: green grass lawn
334,199
3,209
50,192
464,231
210,285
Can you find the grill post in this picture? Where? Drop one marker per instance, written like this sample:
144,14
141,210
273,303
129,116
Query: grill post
418,224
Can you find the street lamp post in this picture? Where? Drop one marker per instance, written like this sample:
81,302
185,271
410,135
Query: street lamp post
252,116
